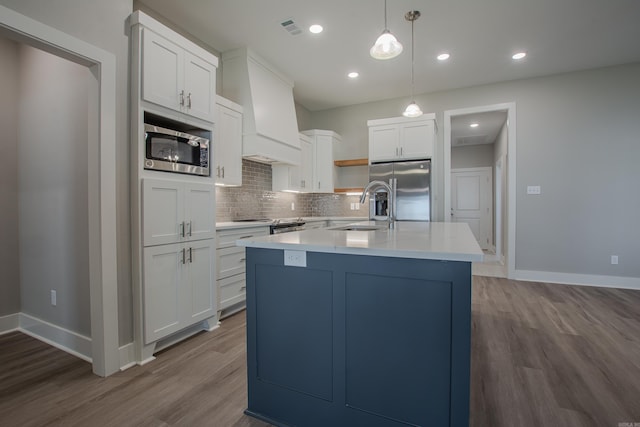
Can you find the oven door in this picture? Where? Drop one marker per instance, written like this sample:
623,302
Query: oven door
172,151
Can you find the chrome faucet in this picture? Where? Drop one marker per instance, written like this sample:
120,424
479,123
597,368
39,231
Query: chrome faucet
387,187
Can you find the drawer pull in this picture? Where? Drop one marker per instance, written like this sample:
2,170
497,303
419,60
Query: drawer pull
243,288
242,259
246,237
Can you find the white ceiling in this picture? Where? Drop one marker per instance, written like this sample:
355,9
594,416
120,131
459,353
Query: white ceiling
489,125
481,35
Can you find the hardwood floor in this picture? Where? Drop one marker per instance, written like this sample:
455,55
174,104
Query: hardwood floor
542,355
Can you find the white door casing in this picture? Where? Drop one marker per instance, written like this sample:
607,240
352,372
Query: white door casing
103,272
471,202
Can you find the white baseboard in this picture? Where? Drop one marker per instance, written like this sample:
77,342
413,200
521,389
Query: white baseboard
578,279
61,338
9,323
127,356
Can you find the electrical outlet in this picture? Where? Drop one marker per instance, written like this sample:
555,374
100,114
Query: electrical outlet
533,189
54,298
357,206
614,259
293,206
295,258
353,206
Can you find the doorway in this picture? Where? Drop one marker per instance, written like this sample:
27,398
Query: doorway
100,181
477,138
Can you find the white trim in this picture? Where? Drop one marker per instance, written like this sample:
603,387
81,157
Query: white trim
9,323
56,336
101,178
578,279
127,356
510,107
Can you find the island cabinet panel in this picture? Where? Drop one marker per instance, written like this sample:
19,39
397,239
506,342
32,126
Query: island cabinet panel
354,340
423,370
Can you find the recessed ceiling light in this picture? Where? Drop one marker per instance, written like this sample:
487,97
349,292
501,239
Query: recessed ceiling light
519,55
315,28
353,75
474,125
443,56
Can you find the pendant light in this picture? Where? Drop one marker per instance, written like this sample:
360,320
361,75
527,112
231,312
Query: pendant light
412,109
386,46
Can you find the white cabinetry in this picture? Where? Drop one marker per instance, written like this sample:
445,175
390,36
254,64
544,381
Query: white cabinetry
178,284
178,287
176,78
314,225
227,158
401,138
295,178
231,267
323,168
177,211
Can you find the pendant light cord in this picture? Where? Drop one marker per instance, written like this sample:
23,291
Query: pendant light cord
385,15
412,60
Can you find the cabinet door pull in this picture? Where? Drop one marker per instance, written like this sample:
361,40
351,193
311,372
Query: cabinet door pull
184,251
243,259
191,255
218,171
189,100
243,288
182,98
181,229
401,151
396,151
318,185
223,171
190,227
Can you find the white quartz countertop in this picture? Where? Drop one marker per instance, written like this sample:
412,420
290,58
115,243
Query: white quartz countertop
423,240
247,224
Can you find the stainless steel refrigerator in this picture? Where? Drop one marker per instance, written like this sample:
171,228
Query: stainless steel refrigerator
412,192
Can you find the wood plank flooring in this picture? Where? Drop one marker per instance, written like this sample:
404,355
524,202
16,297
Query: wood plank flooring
542,355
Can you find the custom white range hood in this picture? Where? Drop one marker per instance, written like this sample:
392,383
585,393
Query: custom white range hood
270,127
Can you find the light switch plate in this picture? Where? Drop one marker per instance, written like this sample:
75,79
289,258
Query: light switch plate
295,258
533,189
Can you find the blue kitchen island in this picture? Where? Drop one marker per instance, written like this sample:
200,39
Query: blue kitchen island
361,325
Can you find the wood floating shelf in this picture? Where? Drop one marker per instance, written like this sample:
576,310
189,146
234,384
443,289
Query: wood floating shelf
352,162
348,190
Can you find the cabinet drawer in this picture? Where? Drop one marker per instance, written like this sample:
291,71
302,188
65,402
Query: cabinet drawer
232,290
231,261
227,238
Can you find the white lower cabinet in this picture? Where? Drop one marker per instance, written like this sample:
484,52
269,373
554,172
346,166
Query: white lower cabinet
312,225
178,287
231,267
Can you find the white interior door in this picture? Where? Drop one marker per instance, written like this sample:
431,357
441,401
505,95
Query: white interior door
471,202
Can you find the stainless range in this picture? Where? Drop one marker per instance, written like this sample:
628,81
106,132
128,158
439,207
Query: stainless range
286,225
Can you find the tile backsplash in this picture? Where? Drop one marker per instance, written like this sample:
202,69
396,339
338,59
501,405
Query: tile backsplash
256,200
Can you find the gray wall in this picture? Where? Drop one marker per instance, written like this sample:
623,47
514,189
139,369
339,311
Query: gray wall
53,194
577,137
103,24
9,259
472,156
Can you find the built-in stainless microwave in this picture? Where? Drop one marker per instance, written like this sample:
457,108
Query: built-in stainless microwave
174,151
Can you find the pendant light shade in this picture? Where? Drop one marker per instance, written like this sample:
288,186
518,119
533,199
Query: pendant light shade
412,110
386,46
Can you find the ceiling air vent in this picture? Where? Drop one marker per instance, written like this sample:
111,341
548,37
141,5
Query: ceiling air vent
291,27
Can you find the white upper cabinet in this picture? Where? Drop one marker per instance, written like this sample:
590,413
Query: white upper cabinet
323,168
227,158
401,138
174,212
177,79
295,178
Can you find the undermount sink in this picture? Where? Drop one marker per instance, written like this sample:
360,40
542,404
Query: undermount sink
361,228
